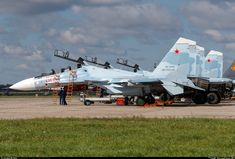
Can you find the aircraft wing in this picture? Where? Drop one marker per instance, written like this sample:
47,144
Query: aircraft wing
174,83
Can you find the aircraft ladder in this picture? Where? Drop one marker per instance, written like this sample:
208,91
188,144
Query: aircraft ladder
72,76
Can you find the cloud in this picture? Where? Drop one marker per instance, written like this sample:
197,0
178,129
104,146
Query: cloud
35,56
215,18
105,26
33,7
211,14
230,46
214,34
11,50
22,66
220,35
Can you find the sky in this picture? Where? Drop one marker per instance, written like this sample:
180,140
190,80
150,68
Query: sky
141,31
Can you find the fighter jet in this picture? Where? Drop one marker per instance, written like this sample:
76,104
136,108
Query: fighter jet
169,77
91,72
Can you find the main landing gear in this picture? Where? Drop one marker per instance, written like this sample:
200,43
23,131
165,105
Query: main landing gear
149,99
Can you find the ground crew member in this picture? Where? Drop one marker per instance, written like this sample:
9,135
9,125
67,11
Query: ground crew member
64,97
61,93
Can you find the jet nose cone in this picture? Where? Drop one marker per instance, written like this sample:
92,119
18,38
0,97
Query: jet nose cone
25,85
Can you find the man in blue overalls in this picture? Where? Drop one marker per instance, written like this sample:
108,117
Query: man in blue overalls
61,94
64,94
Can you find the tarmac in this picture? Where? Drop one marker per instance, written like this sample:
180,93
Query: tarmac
44,107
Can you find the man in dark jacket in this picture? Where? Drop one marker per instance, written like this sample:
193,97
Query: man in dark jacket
61,94
64,97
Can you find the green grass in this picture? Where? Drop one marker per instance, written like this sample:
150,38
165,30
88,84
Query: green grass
117,137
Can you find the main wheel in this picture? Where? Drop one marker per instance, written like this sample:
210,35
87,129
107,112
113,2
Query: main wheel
150,99
213,98
199,98
164,97
140,101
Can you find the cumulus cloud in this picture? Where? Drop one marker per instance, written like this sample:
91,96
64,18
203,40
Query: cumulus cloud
32,7
102,25
215,18
220,35
35,56
230,46
215,34
133,16
12,50
22,66
211,14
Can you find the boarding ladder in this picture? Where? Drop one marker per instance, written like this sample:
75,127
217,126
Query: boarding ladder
72,77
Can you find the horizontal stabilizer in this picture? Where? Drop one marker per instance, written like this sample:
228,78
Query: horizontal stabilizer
188,83
112,89
172,88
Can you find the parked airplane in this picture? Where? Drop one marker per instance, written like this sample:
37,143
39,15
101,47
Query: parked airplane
169,78
167,66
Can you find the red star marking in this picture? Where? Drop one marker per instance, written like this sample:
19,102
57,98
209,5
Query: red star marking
177,51
209,60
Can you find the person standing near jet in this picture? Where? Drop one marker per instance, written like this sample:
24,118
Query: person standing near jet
64,94
61,94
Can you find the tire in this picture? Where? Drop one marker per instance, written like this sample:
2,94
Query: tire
140,101
213,98
87,102
164,97
149,99
199,98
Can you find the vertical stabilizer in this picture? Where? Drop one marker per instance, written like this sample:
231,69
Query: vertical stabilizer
178,55
200,61
214,64
230,72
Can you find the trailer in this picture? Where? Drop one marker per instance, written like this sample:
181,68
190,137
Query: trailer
88,100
